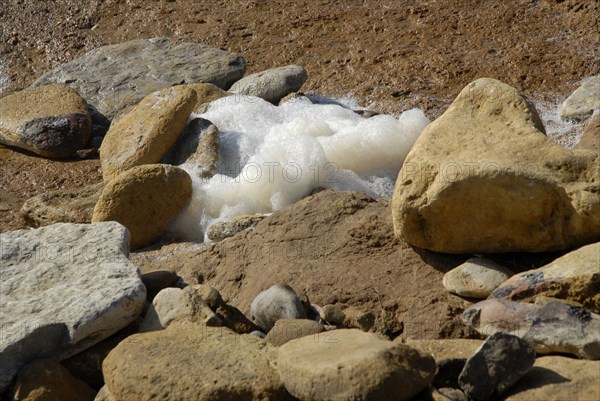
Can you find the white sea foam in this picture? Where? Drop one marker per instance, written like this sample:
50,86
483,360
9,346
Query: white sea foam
272,156
4,80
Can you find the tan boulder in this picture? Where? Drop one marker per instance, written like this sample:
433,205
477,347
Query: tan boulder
445,349
590,138
206,93
353,365
286,330
62,206
51,121
48,380
484,178
146,133
574,277
476,278
224,229
192,362
145,199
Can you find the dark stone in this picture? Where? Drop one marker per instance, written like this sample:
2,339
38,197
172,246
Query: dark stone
448,373
62,135
498,364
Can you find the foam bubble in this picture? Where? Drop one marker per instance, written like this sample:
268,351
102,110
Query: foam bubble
272,156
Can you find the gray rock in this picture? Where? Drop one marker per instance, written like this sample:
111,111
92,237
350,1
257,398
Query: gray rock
199,145
498,364
114,77
345,365
332,314
62,206
278,302
550,328
63,288
51,121
476,278
273,84
583,102
286,330
177,306
224,229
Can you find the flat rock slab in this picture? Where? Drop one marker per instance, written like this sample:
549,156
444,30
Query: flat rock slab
550,328
573,277
51,121
63,288
352,365
583,102
114,77
192,363
484,178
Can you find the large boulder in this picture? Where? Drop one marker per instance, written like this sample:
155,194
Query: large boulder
273,84
63,288
549,328
62,206
114,77
51,121
484,178
145,199
573,277
344,365
147,132
192,363
583,102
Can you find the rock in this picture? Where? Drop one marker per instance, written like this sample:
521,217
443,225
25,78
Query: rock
104,395
583,102
590,138
286,330
448,372
146,133
63,288
361,265
484,178
158,280
448,394
498,364
62,206
176,306
353,365
442,350
224,229
191,362
273,84
48,380
116,76
550,328
558,378
205,94
278,302
145,199
199,145
51,121
230,316
573,277
476,278
332,314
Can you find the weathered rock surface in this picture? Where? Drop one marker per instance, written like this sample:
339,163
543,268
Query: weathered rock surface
114,77
332,314
224,229
178,306
476,278
147,132
553,327
199,145
353,365
558,378
192,363
278,302
51,121
498,364
583,102
590,138
205,94
48,380
145,199
360,265
62,206
63,288
158,280
273,84
573,277
484,178
446,349
286,330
